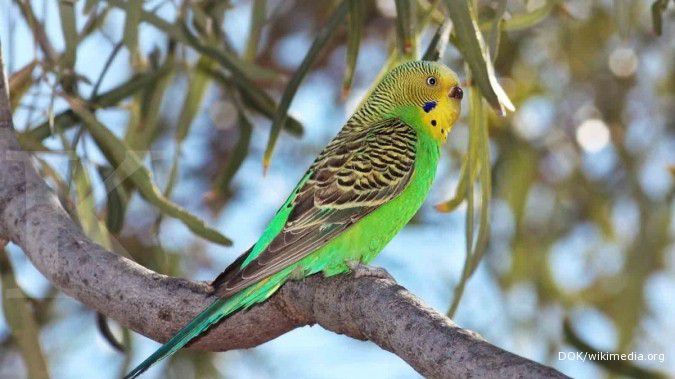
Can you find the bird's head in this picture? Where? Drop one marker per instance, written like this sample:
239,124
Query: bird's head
419,91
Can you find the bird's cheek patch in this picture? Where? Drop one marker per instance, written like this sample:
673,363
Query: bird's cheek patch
439,118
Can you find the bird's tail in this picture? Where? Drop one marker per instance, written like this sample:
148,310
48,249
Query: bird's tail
211,315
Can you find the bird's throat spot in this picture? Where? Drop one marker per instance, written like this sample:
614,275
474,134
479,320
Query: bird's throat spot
433,122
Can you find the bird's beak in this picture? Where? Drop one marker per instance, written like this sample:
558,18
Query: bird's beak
456,93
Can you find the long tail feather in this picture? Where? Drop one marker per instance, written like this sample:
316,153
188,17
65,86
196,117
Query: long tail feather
211,315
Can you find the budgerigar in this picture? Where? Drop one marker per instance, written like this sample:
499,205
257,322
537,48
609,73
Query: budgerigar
356,196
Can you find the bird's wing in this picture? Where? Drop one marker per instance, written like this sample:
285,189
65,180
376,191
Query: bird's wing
361,169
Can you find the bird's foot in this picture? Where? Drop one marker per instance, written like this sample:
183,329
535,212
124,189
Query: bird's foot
359,270
297,274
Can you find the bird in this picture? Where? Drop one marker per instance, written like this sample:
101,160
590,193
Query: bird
361,190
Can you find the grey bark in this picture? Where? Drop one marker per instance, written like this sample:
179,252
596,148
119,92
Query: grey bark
364,307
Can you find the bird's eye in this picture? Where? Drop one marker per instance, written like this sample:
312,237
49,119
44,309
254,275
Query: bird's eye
431,81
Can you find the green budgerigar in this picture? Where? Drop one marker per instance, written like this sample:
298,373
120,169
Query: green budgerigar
356,196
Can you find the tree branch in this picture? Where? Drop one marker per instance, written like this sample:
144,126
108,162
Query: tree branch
157,305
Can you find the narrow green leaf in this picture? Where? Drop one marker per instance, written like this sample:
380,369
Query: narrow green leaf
116,199
198,84
404,28
181,33
622,17
89,5
281,114
530,19
241,71
258,18
354,31
658,7
107,334
93,23
486,193
104,71
478,154
430,12
144,128
265,105
224,178
460,192
255,99
472,46
134,9
496,29
438,43
20,318
20,82
68,119
70,36
86,207
131,168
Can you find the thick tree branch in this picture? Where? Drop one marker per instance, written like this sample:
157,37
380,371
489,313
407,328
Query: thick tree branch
155,305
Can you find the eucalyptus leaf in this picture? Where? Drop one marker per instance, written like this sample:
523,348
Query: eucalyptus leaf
405,28
354,36
20,319
132,20
131,167
258,18
474,51
658,7
20,82
197,86
281,115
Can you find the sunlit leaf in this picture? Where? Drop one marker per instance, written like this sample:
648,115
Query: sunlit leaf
320,41
132,169
496,30
19,83
523,21
16,307
472,46
438,43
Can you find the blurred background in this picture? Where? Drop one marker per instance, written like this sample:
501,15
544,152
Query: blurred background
570,196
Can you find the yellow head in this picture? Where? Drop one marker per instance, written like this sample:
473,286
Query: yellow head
414,91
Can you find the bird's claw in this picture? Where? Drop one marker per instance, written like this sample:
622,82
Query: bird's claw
359,270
